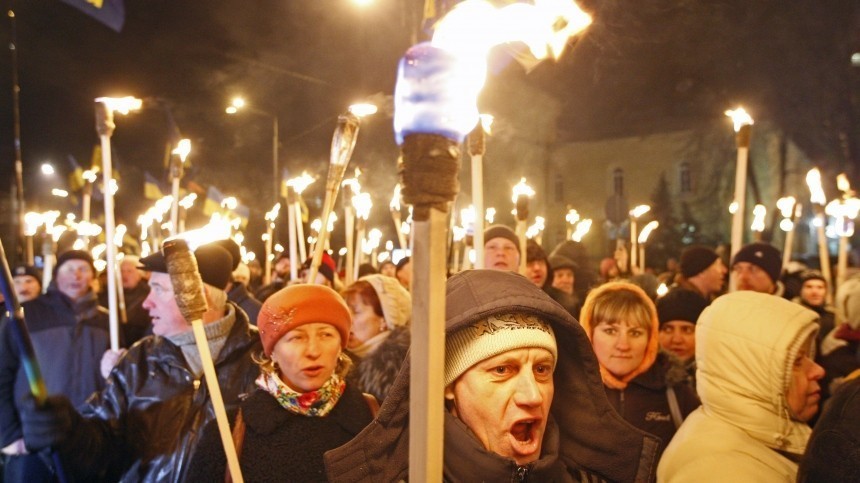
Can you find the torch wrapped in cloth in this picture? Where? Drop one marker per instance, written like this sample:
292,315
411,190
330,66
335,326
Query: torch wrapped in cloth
342,145
188,289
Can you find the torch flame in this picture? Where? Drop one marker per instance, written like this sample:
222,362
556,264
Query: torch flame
188,201
301,183
646,231
395,199
786,206
572,216
581,230
843,184
740,118
218,228
639,211
733,207
536,229
490,215
90,175
362,204
467,216
459,233
759,213
272,214
816,192
182,149
122,105
487,123
662,290
522,189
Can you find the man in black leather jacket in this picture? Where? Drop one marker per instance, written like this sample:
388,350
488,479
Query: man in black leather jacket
144,425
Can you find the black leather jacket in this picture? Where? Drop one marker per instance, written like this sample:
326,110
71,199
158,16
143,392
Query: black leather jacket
144,425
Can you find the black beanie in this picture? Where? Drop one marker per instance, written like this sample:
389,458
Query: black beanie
557,262
232,248
534,252
213,262
696,259
763,256
501,231
28,270
74,255
680,304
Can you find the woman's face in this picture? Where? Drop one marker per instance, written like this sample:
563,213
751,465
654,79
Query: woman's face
365,322
619,346
307,355
804,393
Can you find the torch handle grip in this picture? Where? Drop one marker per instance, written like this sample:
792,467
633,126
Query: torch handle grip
187,284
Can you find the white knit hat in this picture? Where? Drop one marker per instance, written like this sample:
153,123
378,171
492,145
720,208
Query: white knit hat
395,300
493,336
242,273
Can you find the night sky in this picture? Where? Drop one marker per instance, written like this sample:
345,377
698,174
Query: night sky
641,67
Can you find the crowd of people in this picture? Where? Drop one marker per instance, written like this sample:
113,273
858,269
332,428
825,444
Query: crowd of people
561,373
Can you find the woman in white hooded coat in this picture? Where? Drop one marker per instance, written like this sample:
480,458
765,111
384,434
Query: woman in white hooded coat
758,385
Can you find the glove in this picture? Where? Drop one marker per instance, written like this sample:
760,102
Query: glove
48,425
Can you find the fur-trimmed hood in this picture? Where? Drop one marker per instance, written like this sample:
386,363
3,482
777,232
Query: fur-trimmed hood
592,435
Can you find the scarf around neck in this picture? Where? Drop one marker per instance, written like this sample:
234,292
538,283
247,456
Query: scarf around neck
313,404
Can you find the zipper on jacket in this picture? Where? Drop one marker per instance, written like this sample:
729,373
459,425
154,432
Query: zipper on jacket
522,473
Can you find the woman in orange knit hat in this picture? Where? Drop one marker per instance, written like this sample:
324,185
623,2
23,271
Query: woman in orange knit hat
303,406
647,387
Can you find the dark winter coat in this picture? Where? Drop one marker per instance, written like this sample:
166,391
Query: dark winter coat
592,436
240,296
645,404
375,372
144,425
139,323
833,452
69,339
280,445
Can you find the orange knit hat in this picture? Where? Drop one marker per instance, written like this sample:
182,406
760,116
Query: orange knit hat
298,305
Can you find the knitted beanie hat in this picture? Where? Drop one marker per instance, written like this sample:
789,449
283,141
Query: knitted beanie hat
696,259
327,267
680,304
395,300
501,231
28,270
74,255
763,256
301,304
492,336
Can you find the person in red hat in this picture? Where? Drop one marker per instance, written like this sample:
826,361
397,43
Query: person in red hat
302,402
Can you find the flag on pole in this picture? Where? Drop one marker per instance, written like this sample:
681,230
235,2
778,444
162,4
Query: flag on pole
215,204
108,12
152,188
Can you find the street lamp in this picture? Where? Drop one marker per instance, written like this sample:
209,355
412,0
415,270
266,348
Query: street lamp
238,104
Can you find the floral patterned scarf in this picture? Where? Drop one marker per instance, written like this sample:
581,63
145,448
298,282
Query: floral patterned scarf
314,404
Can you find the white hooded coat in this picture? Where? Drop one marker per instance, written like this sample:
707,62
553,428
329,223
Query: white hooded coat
746,344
